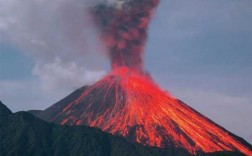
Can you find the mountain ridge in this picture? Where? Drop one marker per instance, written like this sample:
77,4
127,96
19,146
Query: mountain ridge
130,104
34,136
23,134
4,110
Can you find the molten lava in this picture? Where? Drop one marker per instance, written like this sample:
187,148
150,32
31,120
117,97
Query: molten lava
130,104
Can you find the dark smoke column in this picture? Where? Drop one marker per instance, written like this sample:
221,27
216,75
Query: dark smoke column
124,30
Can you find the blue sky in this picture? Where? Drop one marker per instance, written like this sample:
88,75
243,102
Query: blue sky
199,50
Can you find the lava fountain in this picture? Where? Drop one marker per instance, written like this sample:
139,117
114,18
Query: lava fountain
128,103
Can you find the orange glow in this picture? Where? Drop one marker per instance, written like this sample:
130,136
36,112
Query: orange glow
131,105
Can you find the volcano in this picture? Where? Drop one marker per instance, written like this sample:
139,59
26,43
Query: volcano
129,104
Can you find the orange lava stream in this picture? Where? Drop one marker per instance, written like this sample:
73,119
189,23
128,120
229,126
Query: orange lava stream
139,109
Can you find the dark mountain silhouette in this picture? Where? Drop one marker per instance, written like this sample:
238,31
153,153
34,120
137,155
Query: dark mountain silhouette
4,111
129,104
22,134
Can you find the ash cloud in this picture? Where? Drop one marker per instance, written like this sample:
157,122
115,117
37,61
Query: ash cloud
124,30
53,30
61,37
48,31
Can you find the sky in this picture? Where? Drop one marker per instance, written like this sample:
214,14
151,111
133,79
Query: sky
198,50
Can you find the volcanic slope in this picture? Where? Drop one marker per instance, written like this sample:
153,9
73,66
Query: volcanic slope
22,134
130,104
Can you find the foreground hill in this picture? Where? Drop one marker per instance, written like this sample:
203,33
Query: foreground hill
22,134
4,111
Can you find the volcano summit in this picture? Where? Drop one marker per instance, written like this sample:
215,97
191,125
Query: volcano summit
128,103
131,105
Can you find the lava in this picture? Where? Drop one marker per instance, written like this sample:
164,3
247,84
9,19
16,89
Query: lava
127,102
130,104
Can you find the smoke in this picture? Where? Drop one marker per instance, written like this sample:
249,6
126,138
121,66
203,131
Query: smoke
124,30
53,30
51,73
47,28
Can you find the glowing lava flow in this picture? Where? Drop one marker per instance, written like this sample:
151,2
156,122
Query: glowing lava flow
131,105
128,103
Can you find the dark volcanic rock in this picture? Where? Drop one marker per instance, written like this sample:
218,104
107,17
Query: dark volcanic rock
4,111
22,134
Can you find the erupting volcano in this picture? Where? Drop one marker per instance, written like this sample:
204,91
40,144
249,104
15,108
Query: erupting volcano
127,102
131,105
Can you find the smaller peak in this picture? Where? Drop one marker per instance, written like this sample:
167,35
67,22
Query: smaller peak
4,110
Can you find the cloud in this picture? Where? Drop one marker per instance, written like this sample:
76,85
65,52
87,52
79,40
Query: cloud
60,28
59,36
50,83
58,73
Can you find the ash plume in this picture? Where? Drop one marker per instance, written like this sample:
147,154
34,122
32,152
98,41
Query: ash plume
124,30
67,31
57,35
